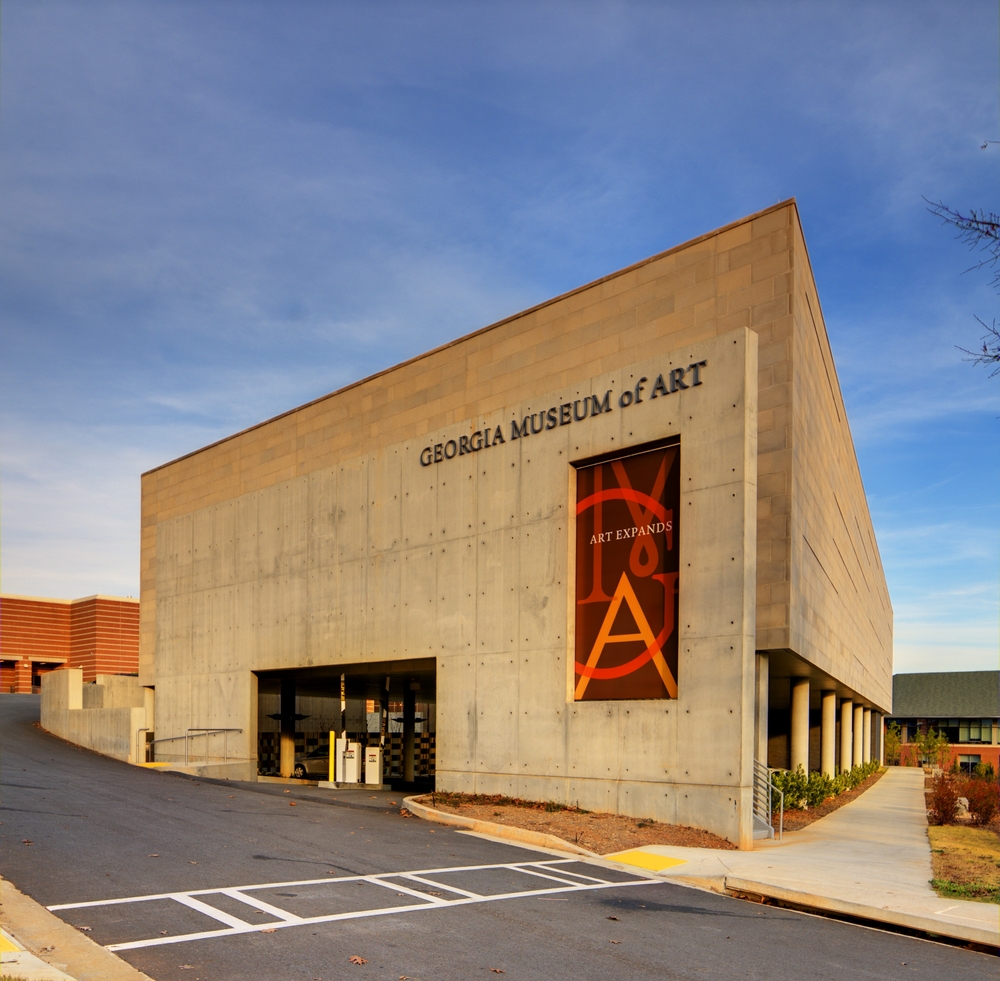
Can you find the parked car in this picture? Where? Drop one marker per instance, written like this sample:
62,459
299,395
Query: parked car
313,765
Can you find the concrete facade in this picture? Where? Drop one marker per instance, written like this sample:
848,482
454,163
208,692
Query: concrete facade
330,536
109,715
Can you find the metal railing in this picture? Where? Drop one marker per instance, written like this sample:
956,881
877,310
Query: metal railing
193,733
763,799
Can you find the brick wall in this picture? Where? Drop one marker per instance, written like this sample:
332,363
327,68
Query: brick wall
99,634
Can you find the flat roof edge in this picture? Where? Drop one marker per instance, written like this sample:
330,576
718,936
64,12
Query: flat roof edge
482,330
82,599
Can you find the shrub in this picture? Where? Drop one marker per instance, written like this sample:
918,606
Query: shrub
942,804
803,791
983,797
893,744
933,748
985,771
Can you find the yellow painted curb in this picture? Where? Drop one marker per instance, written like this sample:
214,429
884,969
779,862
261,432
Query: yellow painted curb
506,831
7,945
645,860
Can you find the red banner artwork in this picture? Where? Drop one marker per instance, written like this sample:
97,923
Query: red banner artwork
626,577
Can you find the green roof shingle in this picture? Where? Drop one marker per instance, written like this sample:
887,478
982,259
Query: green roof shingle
946,694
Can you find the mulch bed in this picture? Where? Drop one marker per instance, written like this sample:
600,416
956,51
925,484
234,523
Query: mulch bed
797,820
597,832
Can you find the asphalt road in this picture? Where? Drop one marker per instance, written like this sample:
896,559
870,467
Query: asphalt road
102,830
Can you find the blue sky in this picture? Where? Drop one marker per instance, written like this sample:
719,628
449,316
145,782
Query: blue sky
212,212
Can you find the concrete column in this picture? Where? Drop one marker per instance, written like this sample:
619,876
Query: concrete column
800,724
859,735
866,745
760,709
846,734
384,716
409,726
286,756
828,733
880,737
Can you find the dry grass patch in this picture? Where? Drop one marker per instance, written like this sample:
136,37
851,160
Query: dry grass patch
966,862
597,832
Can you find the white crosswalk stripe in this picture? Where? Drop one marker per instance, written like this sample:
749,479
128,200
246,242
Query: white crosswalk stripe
537,877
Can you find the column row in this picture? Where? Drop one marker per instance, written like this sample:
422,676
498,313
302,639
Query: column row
855,730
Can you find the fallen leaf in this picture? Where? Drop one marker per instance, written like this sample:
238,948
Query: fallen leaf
612,917
27,842
286,791
268,930
614,941
392,803
232,796
354,959
153,855
163,933
87,929
192,863
292,803
187,967
330,872
498,970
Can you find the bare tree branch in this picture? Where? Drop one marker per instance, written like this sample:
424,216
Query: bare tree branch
989,354
978,229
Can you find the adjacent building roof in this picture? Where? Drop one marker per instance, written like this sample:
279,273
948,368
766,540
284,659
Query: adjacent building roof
946,694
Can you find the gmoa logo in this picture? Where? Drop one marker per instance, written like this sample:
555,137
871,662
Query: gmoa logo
627,573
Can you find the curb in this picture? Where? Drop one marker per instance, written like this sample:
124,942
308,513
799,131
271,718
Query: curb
747,888
54,944
505,831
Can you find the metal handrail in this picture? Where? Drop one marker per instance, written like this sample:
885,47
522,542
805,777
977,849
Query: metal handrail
763,785
198,731
206,733
781,813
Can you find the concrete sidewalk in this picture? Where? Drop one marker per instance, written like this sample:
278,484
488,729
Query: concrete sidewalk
37,946
869,859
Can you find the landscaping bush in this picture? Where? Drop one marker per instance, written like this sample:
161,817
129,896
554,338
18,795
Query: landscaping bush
942,801
983,797
803,791
985,771
893,744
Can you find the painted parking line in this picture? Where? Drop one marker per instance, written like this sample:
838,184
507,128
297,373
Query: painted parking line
543,878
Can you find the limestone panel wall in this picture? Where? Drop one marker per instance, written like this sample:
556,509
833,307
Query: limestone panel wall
840,617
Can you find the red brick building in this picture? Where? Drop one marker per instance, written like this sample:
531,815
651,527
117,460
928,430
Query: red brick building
99,634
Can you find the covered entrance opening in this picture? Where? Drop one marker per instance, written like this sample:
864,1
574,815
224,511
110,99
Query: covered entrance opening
389,704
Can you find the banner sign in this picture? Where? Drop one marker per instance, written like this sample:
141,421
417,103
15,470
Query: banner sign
626,577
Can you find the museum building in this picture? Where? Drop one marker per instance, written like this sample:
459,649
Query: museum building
612,551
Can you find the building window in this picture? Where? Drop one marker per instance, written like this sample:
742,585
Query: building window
968,762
